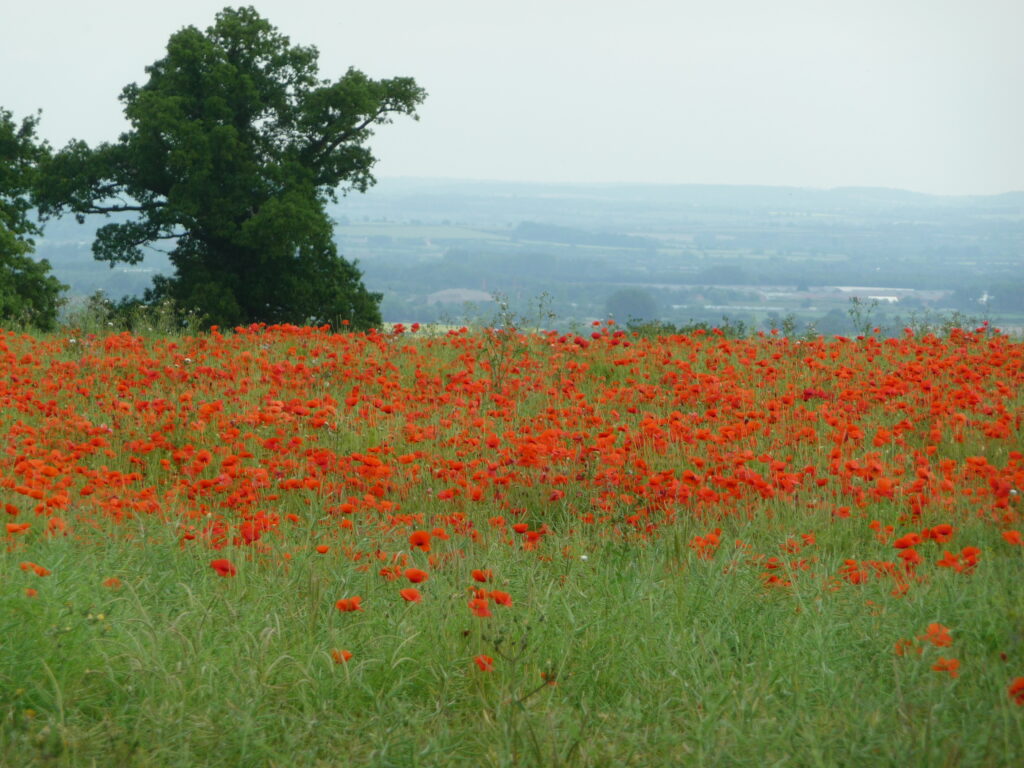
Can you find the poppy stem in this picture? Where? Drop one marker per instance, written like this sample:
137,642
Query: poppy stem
540,687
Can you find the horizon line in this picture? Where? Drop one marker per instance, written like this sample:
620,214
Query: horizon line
669,184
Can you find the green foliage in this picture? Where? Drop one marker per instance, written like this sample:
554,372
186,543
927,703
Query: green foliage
862,315
941,324
503,335
29,295
730,329
98,314
235,146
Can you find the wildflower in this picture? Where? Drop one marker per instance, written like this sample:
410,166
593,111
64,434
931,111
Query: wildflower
903,646
340,656
411,595
480,607
31,592
420,540
910,558
852,573
323,549
905,542
970,556
347,604
486,663
1013,537
501,598
250,531
112,583
937,635
482,576
224,567
947,665
949,560
416,576
1016,691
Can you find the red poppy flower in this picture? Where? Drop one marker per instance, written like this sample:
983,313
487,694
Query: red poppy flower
323,549
910,540
340,656
112,583
250,531
1013,537
420,540
347,604
480,607
903,646
949,560
501,598
910,557
224,567
947,665
486,663
937,635
411,595
970,557
416,576
482,576
1017,691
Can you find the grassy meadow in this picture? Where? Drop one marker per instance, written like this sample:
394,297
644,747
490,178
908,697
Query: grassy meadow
288,547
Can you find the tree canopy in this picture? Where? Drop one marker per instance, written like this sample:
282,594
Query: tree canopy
28,293
234,148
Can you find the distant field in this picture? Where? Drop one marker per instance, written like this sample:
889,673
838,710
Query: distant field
414,232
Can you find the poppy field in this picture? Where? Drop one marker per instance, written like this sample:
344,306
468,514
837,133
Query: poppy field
287,546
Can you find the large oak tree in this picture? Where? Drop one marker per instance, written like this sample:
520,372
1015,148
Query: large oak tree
29,294
235,147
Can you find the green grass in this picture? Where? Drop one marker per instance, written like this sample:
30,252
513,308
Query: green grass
658,658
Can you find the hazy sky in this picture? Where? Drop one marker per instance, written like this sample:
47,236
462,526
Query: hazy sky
916,94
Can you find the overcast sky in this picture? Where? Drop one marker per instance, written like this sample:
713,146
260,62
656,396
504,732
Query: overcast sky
915,94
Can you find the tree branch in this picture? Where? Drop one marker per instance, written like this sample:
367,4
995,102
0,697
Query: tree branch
322,148
145,240
121,208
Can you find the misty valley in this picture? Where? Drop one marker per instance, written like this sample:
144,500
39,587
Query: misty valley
828,261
